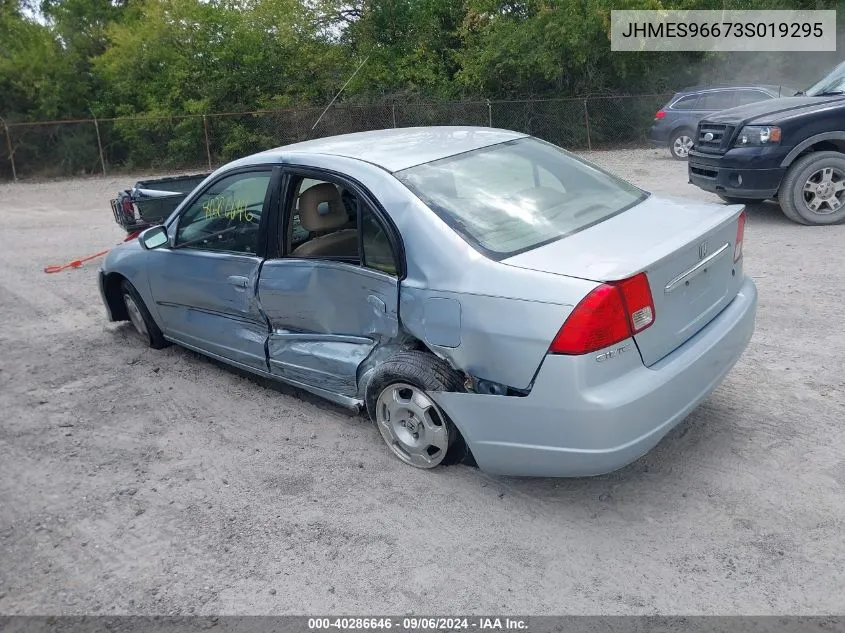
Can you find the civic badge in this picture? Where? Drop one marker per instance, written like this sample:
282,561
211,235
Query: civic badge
703,249
708,136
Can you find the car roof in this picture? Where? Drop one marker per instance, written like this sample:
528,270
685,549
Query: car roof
694,89
395,149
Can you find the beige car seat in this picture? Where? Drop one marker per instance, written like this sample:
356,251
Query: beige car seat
321,211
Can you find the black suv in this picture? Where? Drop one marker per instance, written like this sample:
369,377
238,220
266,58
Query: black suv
790,149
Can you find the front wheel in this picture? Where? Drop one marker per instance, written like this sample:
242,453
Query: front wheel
680,144
140,318
813,191
415,429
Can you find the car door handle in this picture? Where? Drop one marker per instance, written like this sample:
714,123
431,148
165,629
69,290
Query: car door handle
238,281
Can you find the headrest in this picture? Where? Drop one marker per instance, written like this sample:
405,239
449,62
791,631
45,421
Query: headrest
320,208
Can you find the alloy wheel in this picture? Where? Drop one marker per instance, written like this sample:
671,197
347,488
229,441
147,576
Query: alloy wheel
682,146
412,425
824,191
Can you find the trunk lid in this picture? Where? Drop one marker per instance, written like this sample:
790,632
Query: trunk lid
686,249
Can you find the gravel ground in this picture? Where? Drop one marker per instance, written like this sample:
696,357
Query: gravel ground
141,481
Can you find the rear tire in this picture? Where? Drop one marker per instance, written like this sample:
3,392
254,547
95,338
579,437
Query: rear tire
813,190
140,318
415,429
680,143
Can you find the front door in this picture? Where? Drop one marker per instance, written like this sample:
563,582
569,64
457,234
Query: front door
332,297
204,283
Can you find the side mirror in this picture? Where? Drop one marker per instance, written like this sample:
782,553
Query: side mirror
153,237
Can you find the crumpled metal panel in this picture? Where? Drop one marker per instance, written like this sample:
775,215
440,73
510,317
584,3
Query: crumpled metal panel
502,340
326,318
379,354
325,297
330,364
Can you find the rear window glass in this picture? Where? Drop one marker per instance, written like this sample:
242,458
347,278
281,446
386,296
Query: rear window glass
518,195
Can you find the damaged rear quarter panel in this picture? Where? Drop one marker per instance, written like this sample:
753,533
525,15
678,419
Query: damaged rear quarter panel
502,339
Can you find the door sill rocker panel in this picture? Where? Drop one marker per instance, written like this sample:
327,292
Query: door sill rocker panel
354,404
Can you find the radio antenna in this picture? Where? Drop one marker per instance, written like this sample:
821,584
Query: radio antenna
339,91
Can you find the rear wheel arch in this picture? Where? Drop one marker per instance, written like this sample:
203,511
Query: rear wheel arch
422,346
423,370
683,127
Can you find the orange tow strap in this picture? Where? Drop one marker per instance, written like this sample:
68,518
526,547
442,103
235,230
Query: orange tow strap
76,263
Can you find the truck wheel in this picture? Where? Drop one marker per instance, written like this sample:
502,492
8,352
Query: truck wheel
813,190
412,425
732,200
680,144
140,317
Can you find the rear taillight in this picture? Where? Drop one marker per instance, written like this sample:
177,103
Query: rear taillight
611,313
128,208
740,235
637,295
659,114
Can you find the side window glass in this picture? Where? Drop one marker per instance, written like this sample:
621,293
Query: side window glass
378,252
751,96
323,222
721,100
686,103
226,216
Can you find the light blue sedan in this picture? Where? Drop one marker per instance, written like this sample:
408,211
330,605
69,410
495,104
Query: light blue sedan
482,293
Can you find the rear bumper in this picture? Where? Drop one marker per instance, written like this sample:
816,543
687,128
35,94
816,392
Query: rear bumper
658,135
567,427
734,175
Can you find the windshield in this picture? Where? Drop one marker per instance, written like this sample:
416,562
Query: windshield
834,83
517,195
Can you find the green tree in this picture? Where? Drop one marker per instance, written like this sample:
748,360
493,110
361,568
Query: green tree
189,56
35,77
410,45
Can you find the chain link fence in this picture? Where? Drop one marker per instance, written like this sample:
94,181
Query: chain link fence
67,148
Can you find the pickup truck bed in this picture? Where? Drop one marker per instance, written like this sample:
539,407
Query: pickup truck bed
150,202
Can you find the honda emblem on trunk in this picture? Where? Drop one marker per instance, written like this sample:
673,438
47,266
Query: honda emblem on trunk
702,250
